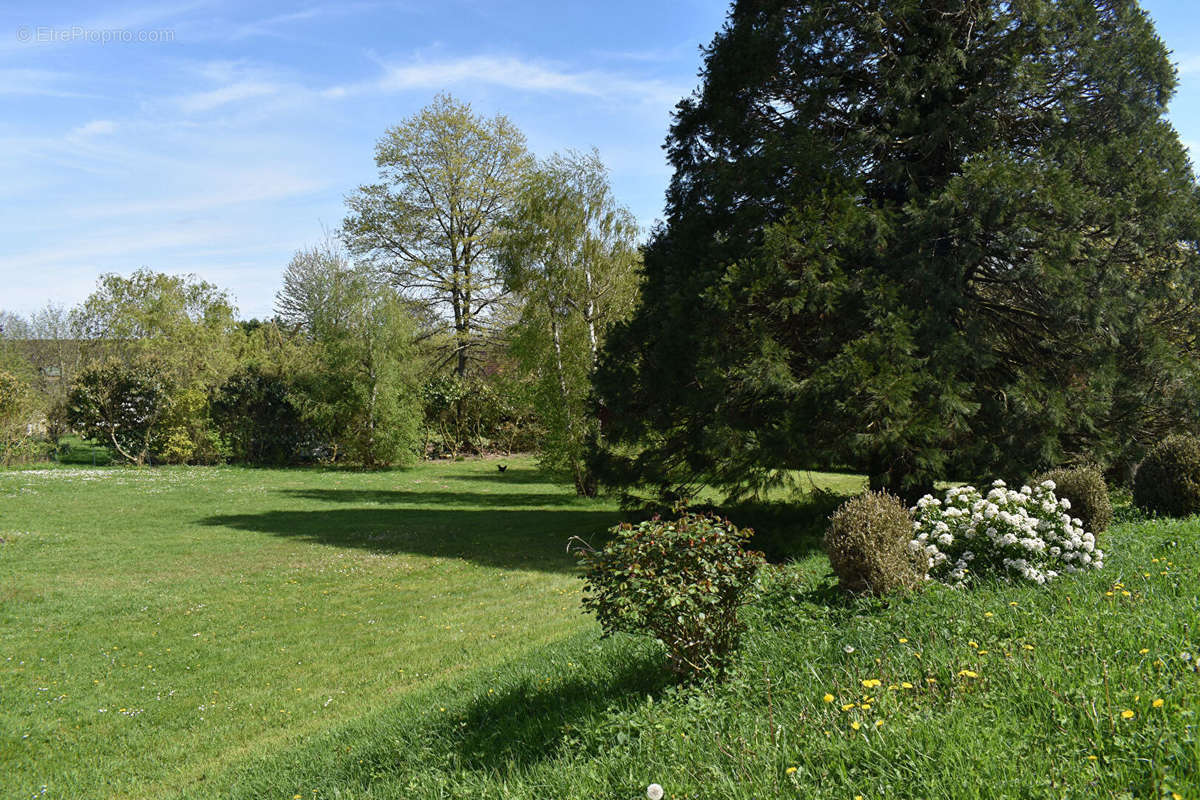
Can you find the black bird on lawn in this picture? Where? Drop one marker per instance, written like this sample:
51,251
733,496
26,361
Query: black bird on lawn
502,467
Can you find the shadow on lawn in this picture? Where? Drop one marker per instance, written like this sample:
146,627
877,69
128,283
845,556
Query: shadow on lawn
437,498
529,723
510,539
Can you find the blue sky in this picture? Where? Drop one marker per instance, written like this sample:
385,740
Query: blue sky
224,135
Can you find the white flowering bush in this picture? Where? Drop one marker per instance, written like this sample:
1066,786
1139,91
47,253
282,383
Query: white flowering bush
1026,534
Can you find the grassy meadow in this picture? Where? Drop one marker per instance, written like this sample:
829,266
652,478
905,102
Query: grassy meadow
223,632
158,626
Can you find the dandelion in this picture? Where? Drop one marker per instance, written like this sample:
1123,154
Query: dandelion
1092,758
974,644
828,698
1143,651
967,673
790,770
906,685
848,649
848,706
1158,703
1127,714
855,725
878,723
870,683
903,640
654,792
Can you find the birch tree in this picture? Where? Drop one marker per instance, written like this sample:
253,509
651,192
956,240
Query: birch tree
569,254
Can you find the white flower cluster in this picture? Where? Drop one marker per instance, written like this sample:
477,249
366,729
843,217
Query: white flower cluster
1026,534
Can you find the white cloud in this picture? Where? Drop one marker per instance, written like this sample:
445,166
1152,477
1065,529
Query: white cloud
97,127
510,72
235,92
41,82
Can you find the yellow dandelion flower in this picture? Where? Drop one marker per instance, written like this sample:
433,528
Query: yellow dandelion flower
1127,714
903,640
855,725
1027,646
1158,703
983,652
1143,651
906,685
1092,758
973,643
967,673
828,698
1125,593
1013,603
871,683
848,706
878,723
987,613
790,770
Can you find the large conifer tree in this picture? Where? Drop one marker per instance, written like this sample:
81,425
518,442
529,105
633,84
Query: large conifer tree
919,238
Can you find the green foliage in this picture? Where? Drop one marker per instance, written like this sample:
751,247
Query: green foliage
257,418
14,416
186,324
680,581
478,414
1085,487
1168,480
360,390
868,545
446,177
569,250
915,239
121,403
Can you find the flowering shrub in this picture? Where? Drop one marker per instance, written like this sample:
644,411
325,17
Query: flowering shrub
680,581
1026,534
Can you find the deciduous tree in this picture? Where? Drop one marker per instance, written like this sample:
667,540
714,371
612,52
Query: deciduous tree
446,178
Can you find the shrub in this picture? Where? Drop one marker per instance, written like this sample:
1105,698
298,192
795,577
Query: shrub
1168,480
867,543
1085,488
680,581
1025,534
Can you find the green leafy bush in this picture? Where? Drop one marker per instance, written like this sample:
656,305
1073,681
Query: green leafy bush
1084,486
868,545
1168,480
680,581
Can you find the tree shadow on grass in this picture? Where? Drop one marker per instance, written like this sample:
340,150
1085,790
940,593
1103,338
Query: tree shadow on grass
528,723
442,499
508,539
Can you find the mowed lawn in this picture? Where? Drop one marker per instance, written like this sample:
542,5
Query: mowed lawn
160,625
